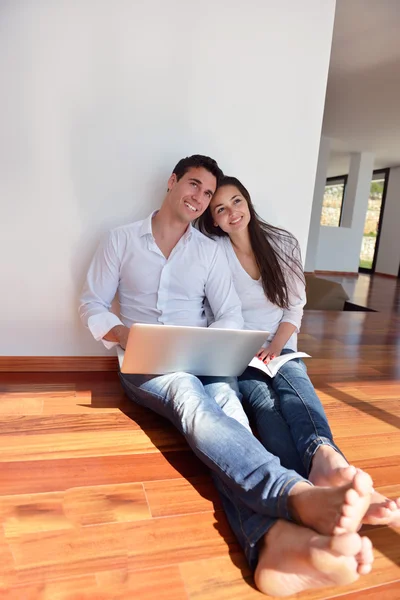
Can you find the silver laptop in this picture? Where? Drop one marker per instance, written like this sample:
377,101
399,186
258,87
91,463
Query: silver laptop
160,349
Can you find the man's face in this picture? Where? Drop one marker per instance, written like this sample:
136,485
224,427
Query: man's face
189,197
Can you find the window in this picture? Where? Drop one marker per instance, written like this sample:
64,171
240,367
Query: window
373,220
333,201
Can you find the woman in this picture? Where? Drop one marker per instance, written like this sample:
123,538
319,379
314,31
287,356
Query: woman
268,276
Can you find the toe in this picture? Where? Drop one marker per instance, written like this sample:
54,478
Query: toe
364,569
366,555
348,472
347,544
348,510
346,523
362,483
351,497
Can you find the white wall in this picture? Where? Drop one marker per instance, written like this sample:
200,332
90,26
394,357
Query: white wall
388,260
99,100
318,197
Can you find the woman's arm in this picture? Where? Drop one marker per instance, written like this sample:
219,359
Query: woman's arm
281,337
292,316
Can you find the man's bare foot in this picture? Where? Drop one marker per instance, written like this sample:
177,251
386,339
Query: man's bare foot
382,511
329,468
294,558
331,510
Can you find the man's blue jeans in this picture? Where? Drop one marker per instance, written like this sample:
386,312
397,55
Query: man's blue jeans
288,414
209,414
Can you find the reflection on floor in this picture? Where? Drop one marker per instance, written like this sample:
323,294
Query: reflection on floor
373,291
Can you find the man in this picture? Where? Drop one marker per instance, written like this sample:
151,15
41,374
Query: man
163,270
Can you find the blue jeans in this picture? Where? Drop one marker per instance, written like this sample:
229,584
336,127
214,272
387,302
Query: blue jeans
209,414
289,416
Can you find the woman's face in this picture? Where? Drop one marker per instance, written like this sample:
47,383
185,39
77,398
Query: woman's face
229,209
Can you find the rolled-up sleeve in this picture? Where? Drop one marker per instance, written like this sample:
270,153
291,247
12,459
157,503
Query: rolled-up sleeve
99,290
221,294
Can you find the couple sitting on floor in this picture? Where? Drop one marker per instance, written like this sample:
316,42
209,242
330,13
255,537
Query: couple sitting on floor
292,499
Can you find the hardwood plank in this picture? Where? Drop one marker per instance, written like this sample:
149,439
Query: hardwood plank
22,477
161,584
173,540
54,511
384,471
33,513
221,578
67,423
374,446
351,421
390,591
122,584
181,496
59,554
21,387
106,504
21,406
86,444
143,544
57,363
6,563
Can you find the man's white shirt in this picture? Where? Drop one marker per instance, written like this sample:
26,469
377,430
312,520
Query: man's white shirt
154,289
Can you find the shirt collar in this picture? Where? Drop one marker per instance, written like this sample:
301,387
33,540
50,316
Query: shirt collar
146,228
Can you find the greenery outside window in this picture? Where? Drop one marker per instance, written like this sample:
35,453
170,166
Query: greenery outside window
333,201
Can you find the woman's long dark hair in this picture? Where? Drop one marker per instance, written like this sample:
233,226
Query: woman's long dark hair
276,251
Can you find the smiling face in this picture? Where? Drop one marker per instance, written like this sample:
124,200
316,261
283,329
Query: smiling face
189,196
229,209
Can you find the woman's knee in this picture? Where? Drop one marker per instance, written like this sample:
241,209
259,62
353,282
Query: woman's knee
258,395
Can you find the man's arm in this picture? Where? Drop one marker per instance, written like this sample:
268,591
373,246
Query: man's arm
119,335
98,292
221,294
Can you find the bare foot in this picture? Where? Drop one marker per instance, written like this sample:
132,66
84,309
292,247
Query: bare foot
331,510
382,511
329,468
293,559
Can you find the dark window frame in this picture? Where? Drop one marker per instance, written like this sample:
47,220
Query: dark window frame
339,180
386,175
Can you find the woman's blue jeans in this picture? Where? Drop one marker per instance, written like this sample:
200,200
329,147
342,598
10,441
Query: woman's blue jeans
288,414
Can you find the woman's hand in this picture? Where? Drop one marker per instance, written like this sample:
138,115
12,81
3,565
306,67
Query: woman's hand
268,354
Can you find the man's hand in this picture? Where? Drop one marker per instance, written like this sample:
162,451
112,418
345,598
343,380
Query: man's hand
119,334
268,354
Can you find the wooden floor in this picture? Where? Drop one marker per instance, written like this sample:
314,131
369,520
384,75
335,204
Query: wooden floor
102,500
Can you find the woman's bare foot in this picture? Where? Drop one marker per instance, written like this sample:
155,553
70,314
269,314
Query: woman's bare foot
331,510
382,511
329,468
293,559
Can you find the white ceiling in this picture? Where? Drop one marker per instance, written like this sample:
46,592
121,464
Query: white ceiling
362,108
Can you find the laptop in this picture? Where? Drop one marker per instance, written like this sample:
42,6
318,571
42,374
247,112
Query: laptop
161,349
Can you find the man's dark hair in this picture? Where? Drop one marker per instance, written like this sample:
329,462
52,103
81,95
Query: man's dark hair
196,161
